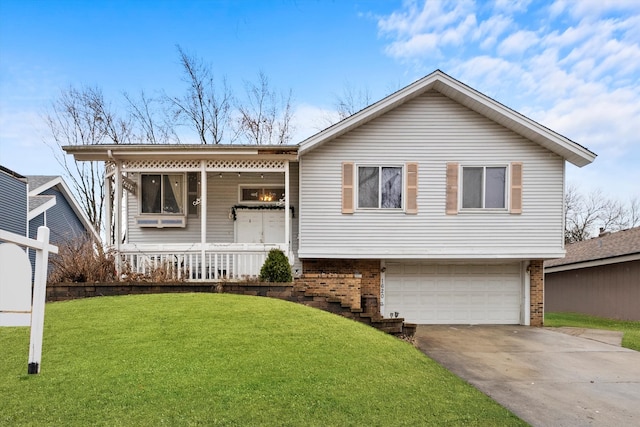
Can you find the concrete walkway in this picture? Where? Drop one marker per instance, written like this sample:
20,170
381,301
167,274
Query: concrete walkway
546,377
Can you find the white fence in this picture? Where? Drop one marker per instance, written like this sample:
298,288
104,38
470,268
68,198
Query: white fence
234,261
18,305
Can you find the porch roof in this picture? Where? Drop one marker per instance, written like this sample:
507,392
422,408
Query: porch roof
107,152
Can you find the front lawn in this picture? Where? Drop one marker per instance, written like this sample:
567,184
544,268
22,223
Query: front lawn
631,329
215,359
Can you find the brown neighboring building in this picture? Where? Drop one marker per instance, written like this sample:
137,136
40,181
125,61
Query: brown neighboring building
600,277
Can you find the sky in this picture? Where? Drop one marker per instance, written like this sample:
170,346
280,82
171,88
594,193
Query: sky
571,65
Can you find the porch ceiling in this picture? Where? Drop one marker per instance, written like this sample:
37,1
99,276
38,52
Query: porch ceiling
179,152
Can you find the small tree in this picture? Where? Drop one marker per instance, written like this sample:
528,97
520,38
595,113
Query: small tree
276,268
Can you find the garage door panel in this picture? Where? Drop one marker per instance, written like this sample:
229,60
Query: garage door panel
454,293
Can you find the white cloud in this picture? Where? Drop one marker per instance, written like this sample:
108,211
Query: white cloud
593,8
488,32
420,31
517,43
511,5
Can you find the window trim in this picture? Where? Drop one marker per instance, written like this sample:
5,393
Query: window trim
484,166
259,187
356,185
184,212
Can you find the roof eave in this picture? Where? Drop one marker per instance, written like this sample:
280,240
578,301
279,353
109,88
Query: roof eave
175,151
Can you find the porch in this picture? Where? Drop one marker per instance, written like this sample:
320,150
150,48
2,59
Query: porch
197,213
195,262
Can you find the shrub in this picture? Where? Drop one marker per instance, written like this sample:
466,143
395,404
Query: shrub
81,260
276,268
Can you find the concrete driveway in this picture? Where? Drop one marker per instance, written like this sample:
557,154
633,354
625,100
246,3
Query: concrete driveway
546,377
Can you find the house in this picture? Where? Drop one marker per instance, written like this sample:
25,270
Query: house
52,204
13,202
28,202
436,204
599,276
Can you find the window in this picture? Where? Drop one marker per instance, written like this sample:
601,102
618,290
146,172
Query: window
162,193
484,187
380,187
261,194
193,191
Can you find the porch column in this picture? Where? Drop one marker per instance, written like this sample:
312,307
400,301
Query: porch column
203,216
287,220
108,211
118,217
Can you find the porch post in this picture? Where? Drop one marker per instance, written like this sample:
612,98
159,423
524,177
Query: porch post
287,220
203,216
108,211
118,217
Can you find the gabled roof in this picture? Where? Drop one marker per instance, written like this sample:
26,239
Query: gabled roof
472,99
606,249
39,202
11,173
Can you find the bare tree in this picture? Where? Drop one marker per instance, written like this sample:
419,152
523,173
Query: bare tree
585,217
265,116
82,117
150,122
351,100
204,107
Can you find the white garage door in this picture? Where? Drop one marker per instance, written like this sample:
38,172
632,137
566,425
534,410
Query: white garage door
454,294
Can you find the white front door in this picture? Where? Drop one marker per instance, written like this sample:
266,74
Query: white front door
260,226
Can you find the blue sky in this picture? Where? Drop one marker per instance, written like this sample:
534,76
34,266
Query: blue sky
572,65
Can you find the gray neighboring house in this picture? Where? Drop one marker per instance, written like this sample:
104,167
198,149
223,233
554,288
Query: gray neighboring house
52,204
13,202
28,202
599,277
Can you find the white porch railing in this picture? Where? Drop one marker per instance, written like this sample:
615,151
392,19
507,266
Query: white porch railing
192,262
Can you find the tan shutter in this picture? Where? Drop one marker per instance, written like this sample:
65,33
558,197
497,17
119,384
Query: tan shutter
452,189
412,188
516,187
347,187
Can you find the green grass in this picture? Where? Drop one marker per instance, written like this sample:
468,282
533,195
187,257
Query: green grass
213,359
631,329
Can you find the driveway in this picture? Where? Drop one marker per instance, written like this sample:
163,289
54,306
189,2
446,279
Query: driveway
546,377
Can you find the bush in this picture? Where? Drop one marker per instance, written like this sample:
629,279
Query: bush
276,268
81,260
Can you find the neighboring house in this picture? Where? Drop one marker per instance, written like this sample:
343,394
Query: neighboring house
28,202
599,276
13,202
52,204
439,203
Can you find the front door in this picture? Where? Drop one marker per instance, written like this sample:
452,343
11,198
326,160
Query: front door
260,226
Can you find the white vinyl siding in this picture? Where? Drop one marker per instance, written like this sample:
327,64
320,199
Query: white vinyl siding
432,131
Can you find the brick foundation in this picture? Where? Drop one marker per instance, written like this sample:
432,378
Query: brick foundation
369,269
345,287
536,272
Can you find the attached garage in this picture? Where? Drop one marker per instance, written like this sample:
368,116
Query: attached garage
429,293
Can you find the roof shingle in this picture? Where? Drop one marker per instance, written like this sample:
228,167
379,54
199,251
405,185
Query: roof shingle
626,242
